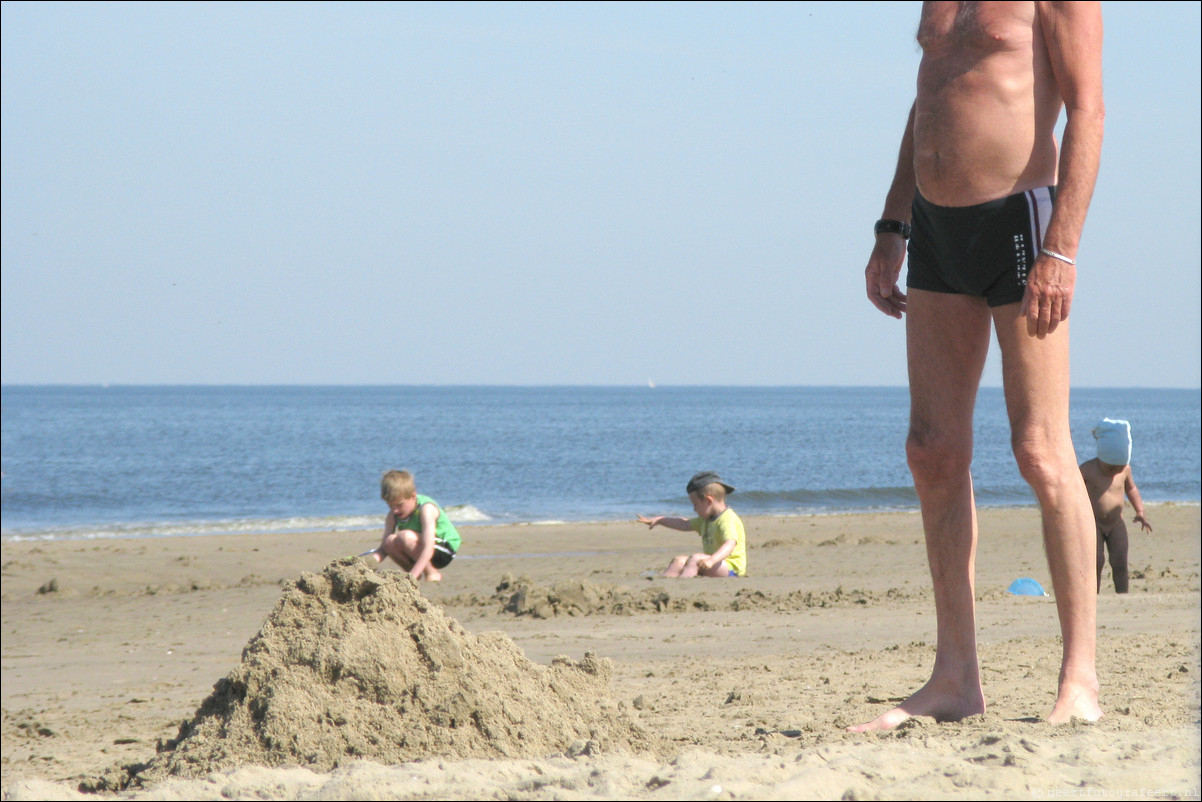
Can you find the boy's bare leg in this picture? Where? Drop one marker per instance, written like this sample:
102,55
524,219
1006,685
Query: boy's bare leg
400,546
676,566
1101,557
684,566
1116,542
690,567
404,548
947,341
1035,374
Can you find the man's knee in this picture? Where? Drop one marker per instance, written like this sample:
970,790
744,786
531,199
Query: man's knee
1041,463
933,458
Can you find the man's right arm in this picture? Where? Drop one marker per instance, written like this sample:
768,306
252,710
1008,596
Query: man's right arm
884,265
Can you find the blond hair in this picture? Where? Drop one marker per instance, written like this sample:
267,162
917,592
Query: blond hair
714,490
397,486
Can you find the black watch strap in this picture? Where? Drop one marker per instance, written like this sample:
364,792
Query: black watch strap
884,226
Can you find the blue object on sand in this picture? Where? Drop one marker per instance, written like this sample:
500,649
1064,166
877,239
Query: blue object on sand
1026,587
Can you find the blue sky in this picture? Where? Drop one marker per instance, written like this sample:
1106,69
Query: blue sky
525,194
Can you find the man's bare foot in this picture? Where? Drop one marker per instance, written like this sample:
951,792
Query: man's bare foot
942,703
1076,700
432,576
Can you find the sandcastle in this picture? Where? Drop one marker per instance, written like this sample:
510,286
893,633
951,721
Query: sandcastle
356,664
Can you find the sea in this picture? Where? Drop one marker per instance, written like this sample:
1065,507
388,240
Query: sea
171,461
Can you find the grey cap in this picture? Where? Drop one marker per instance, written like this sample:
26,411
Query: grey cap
699,481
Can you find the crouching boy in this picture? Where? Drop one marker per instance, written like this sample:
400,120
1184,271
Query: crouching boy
417,533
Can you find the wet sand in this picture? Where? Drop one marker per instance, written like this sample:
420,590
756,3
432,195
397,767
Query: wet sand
746,684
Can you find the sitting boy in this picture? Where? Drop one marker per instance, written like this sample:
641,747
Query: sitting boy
1107,476
722,540
417,534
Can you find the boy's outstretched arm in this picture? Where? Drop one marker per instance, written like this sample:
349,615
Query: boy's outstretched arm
1136,502
679,524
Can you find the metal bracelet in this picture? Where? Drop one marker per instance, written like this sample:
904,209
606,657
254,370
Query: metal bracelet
1059,256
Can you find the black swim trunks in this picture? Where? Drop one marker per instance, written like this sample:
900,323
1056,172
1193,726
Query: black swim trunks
984,250
443,554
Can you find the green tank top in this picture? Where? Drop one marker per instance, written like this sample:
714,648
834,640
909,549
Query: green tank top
444,530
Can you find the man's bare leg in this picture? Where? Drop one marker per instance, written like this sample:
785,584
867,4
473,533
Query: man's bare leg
1035,374
947,341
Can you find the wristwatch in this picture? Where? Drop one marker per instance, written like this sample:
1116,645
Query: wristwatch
892,227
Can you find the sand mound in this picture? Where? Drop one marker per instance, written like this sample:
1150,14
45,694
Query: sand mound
580,597
356,664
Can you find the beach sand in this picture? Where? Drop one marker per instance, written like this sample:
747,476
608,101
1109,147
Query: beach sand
744,687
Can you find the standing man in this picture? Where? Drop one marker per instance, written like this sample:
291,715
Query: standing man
996,213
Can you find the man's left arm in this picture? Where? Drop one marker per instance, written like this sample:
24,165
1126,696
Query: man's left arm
1072,32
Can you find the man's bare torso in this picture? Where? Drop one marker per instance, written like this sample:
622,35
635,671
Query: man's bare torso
987,104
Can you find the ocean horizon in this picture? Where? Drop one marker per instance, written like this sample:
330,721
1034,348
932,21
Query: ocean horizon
102,461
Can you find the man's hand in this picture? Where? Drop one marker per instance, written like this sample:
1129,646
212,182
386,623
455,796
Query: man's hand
1048,296
880,277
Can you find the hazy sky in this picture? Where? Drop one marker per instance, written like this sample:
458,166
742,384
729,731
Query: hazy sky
525,194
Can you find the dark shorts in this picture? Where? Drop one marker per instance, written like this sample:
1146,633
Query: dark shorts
984,250
443,554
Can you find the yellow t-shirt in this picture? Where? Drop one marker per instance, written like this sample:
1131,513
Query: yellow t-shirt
726,526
